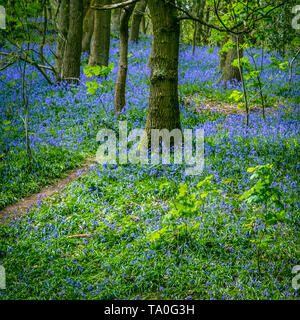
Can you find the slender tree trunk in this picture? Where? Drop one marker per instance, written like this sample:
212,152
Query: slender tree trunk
238,51
49,12
200,28
231,73
123,61
101,36
25,101
197,11
88,29
44,31
136,20
163,110
72,54
62,27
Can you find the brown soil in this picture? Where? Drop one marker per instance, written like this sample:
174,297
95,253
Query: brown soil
25,204
221,106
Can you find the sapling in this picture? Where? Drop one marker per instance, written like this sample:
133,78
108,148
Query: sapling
264,197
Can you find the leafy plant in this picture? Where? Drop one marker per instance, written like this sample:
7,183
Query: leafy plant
265,199
177,222
99,71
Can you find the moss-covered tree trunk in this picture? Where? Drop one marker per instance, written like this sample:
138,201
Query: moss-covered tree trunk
101,36
123,60
163,112
136,20
72,53
88,29
231,73
62,27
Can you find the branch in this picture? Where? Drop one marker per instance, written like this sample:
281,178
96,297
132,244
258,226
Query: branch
8,65
115,5
25,58
188,16
291,65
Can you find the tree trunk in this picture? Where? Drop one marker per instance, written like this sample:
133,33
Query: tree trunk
72,53
231,73
223,55
199,28
115,17
101,39
136,20
196,27
62,27
163,110
88,28
123,61
143,25
206,31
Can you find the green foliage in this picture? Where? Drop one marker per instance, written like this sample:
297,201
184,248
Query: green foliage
99,71
236,96
267,204
228,45
263,192
185,206
244,61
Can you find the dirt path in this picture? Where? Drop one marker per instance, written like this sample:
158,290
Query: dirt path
24,204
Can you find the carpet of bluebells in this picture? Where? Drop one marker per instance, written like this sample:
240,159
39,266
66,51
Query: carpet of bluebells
119,206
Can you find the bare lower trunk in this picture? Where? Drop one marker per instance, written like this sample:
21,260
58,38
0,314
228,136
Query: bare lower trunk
136,20
72,54
101,36
199,28
123,61
44,32
163,110
206,31
196,28
88,28
231,73
62,26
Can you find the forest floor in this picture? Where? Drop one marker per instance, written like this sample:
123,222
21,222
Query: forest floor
151,232
24,205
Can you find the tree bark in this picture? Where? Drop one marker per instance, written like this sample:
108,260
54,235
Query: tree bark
88,29
143,25
123,61
115,25
163,112
101,39
136,20
72,53
205,30
196,27
62,27
223,55
231,73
